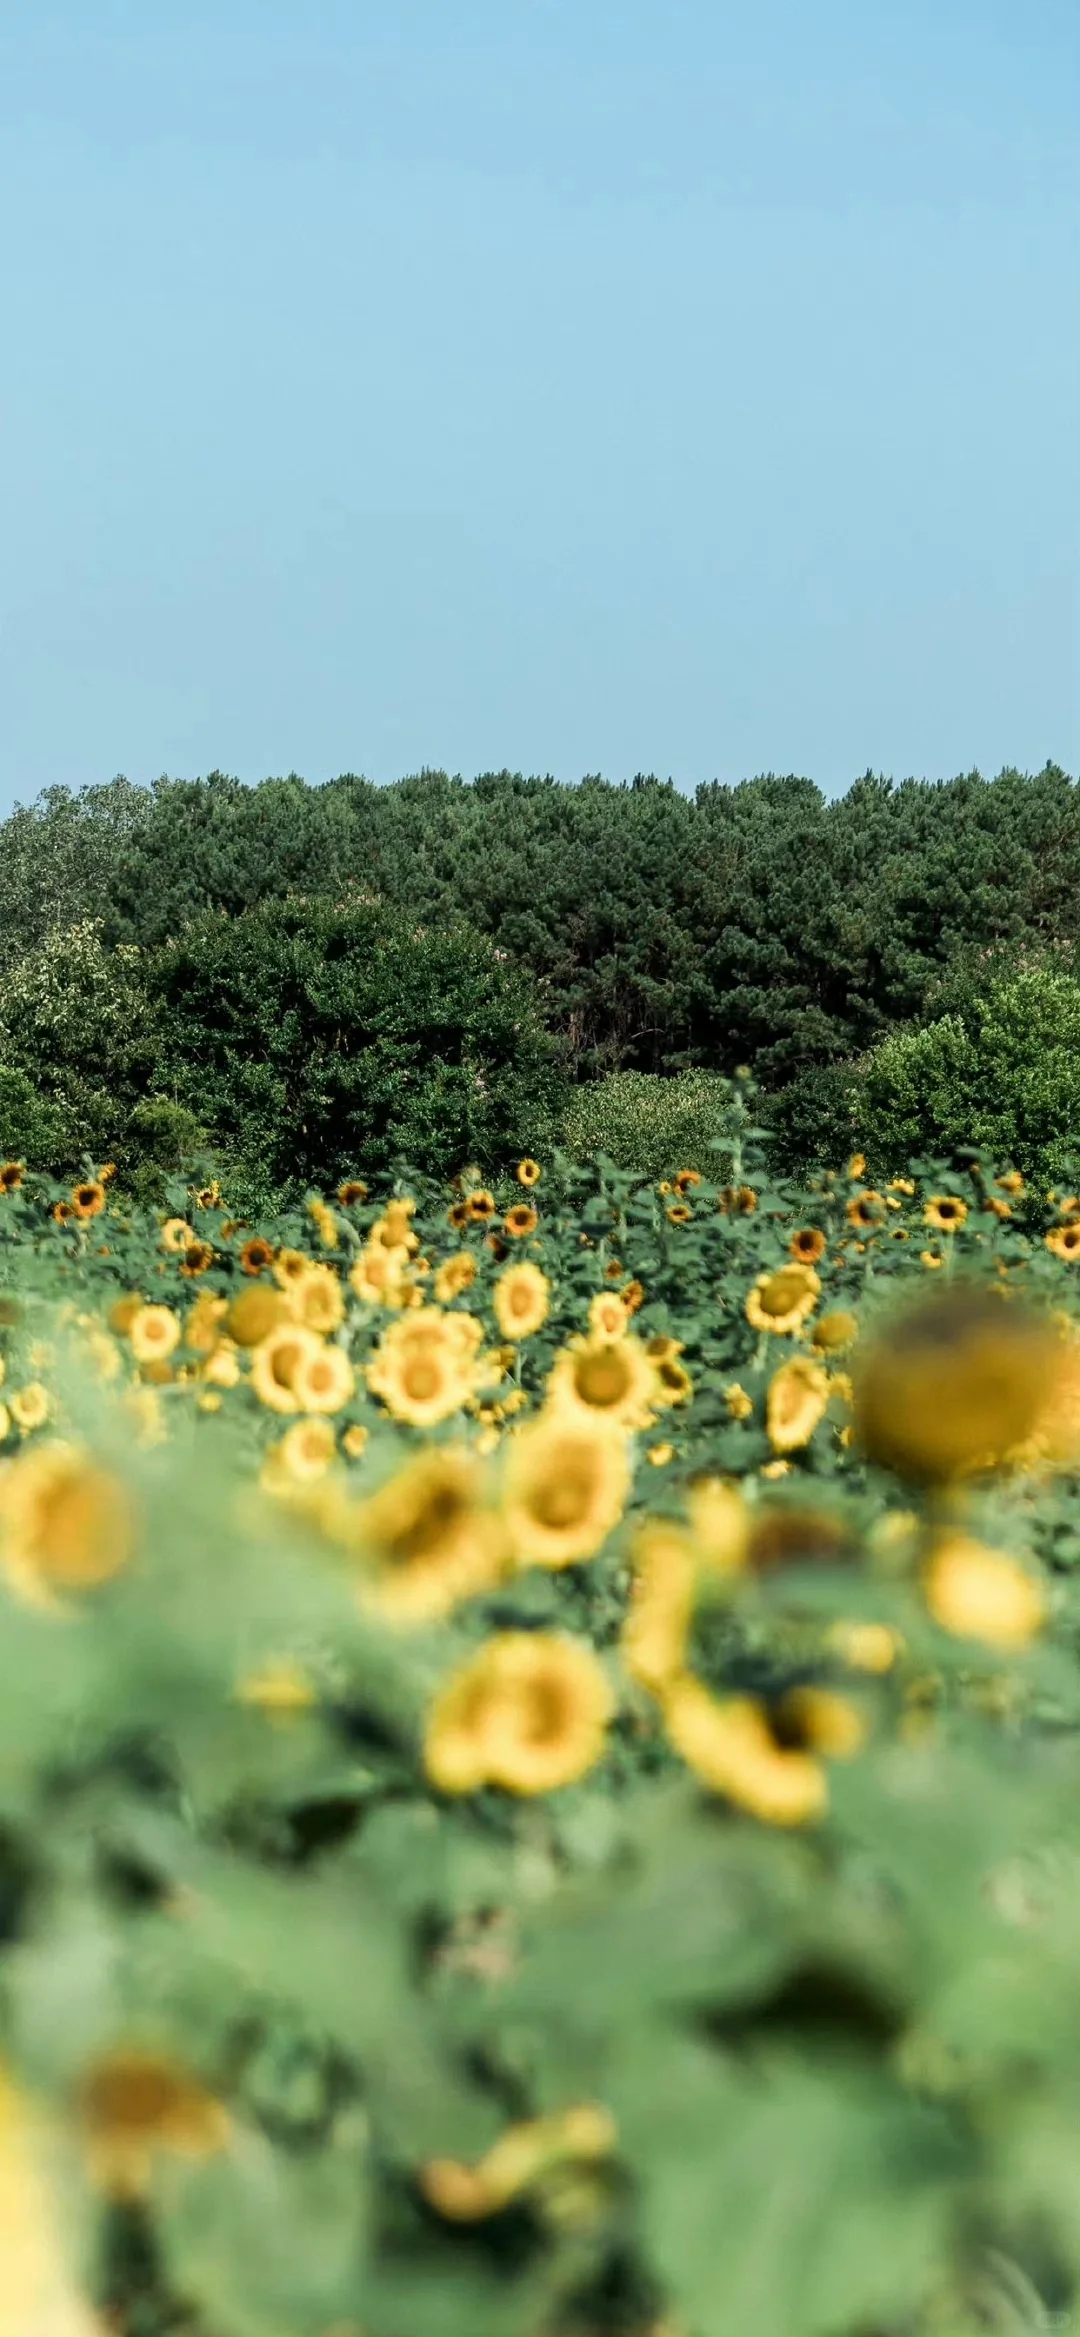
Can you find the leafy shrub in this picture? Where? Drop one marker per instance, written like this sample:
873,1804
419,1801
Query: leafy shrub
1000,1069
648,1124
75,1021
314,1039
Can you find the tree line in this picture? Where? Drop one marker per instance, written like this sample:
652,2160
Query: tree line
626,927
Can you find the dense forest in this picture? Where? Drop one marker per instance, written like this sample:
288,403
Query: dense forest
292,966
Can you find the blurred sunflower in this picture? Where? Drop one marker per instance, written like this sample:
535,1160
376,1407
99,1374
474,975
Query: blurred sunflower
528,1713
253,1314
565,1486
737,1200
982,1594
425,1366
351,1191
609,1379
380,1276
736,1748
276,1361
608,1314
323,1379
65,1523
1064,1241
945,1212
520,1221
197,1259
528,1172
428,1538
797,1399
88,1199
953,1383
865,1209
318,1300
782,1300
30,1406
456,1275
176,1235
480,1205
256,1255
133,2103
520,1300
808,1244
12,1174
835,1331
153,1331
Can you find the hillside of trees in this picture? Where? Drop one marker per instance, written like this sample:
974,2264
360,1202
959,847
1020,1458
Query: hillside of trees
161,948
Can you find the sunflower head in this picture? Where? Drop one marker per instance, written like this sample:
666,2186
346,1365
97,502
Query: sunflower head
88,1199
528,1173
782,1300
982,1594
797,1400
1064,1240
566,1482
521,1300
428,1539
610,1379
135,2102
12,1174
954,1383
256,1255
736,1748
807,1244
946,1212
352,1191
65,1524
521,1220
529,1713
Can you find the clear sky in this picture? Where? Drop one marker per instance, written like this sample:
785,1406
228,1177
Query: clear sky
567,385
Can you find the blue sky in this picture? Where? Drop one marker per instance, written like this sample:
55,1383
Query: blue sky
572,385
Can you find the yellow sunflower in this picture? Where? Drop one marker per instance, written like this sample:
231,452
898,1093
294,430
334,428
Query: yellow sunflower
323,1379
88,1199
136,2102
65,1523
865,1209
456,1275
671,1562
277,1360
176,1236
153,1331
781,1301
797,1399
12,1174
945,1212
607,1379
1064,1241
608,1315
835,1331
425,1366
528,1172
566,1483
733,1746
318,1300
40,2296
521,1300
427,1539
30,1406
528,1713
808,1244
982,1594
954,1383
520,1221
381,1276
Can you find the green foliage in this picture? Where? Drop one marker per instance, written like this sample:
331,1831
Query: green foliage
838,2062
314,1038
75,1021
30,1130
648,1124
1000,1070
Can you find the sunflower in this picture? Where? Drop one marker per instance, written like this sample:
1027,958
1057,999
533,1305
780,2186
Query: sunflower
324,1222
62,1212
739,1405
932,1258
529,1713
41,2297
608,1315
685,1178
290,1266
954,1383
306,1450
12,1174
633,1294
323,1379
154,1331
425,1367
521,1220
520,1300
566,1483
797,1398
674,1384
1070,1207
318,1300
856,1167
998,1208
456,1275
427,1539
351,1191
256,1255
457,1215
354,1441
1064,1241
276,1361
30,1406
393,1231
609,1379
254,1314
65,1524
835,1331
1012,1182
945,1212
808,1244
737,1200
528,1172
982,1594
88,1199
175,1235
788,1533
782,1300
134,2103
123,1311
381,1277
670,1561
479,1206
679,1213
197,1259
865,1209
732,1746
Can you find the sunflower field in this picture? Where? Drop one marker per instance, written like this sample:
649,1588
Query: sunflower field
540,1755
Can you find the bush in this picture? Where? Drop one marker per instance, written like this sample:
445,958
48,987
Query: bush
76,1024
1000,1069
315,1039
648,1124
